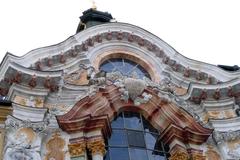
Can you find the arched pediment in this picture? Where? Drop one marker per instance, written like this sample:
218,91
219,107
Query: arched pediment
96,112
91,46
85,45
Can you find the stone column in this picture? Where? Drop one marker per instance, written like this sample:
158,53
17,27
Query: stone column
97,148
77,151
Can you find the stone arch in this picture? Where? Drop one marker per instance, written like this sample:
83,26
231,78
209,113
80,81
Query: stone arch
178,128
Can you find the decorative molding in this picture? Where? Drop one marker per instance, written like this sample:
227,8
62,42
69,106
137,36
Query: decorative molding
29,112
93,112
220,137
14,123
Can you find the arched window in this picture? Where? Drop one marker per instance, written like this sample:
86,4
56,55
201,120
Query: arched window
126,67
134,138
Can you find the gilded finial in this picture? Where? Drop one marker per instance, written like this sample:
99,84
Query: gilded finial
94,5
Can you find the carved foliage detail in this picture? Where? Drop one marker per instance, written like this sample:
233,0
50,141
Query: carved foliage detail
96,147
77,149
198,156
179,155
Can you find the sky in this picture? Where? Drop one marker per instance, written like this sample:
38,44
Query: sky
204,30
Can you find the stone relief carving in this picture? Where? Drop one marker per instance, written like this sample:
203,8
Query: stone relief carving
31,101
22,145
23,139
13,123
133,89
58,108
81,76
219,137
55,148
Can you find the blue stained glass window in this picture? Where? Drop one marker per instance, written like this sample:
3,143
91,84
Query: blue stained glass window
132,121
138,154
125,67
134,138
118,153
118,138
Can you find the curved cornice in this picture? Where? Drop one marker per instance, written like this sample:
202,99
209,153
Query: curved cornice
25,90
28,113
44,52
142,46
197,86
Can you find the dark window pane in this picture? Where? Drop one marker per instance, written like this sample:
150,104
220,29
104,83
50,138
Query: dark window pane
132,120
118,122
118,138
148,127
153,155
118,153
136,139
151,142
138,154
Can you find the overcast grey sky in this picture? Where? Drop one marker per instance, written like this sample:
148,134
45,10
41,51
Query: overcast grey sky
204,30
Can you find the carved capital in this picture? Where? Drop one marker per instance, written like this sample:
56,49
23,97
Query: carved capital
96,147
77,149
198,157
179,155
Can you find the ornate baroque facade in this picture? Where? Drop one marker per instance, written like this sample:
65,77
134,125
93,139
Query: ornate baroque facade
66,101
